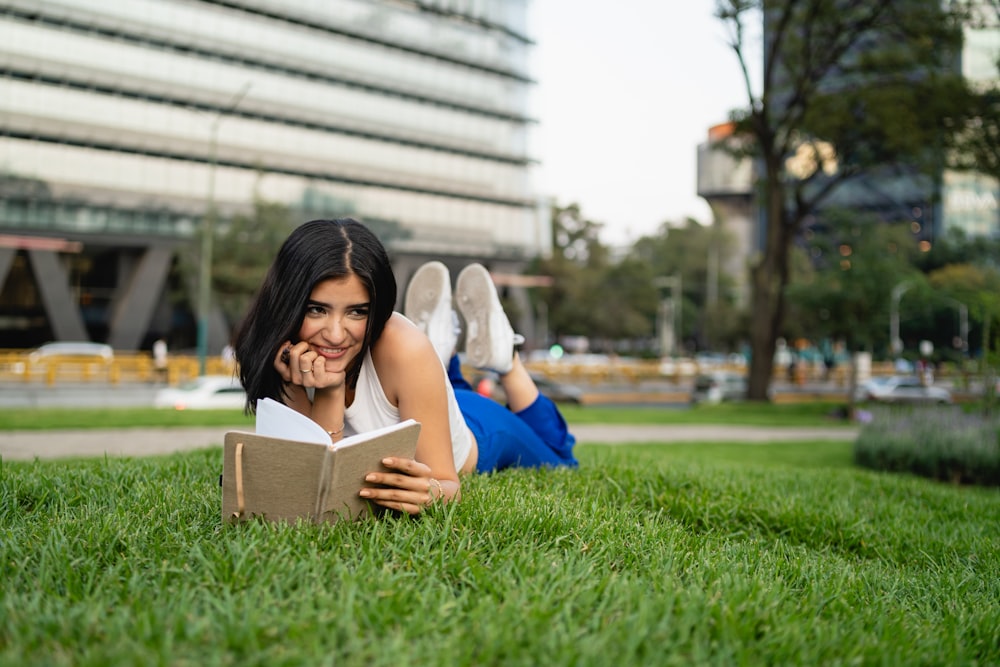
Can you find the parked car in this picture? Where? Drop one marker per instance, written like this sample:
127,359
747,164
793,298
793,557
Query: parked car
718,386
901,389
83,350
208,392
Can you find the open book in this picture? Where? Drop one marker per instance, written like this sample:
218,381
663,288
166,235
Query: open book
288,469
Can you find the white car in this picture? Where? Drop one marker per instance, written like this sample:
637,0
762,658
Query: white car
82,350
208,392
718,387
901,389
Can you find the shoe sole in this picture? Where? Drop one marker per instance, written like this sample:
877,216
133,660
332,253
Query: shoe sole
423,293
476,297
424,297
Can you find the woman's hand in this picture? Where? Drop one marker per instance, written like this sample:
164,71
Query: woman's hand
298,364
410,489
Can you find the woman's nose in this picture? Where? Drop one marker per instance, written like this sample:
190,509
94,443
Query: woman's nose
334,330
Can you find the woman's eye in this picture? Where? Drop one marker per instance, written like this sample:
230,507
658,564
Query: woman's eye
359,313
315,310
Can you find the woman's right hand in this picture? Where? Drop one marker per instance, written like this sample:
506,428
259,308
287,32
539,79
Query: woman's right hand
298,364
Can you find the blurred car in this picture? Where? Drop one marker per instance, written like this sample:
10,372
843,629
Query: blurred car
82,350
718,386
901,389
208,392
558,392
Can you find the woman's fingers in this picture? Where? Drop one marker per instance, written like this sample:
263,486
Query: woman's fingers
410,502
404,492
298,364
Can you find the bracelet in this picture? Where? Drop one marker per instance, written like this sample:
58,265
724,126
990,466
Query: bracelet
338,431
431,481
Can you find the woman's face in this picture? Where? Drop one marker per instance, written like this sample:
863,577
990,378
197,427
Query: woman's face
335,321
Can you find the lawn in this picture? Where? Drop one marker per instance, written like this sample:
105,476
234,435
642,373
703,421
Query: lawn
668,555
804,414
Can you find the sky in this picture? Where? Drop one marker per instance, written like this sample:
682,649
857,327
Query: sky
626,91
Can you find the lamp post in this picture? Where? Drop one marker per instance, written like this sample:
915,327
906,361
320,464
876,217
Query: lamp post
963,322
674,283
895,344
208,231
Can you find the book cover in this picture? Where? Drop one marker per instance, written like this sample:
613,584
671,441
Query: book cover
288,469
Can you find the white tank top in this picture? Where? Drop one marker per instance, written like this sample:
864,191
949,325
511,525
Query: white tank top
371,409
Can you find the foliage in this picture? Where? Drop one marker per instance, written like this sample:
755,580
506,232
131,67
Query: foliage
694,252
848,88
577,266
634,559
626,300
940,443
243,250
957,247
978,288
856,264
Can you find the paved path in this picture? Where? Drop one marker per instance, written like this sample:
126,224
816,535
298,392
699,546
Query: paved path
28,445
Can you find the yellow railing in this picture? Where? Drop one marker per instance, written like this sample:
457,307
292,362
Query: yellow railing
125,367
138,367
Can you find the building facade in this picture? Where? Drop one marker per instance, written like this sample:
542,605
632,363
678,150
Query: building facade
124,122
971,202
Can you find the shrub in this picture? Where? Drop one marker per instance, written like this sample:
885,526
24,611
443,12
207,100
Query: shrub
942,443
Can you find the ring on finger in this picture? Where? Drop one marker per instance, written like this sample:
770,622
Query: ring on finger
305,370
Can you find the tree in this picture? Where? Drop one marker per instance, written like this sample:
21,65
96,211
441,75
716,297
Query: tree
244,249
978,289
577,263
848,296
848,87
626,301
693,252
591,296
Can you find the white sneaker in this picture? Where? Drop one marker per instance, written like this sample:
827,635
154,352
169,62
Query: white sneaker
428,305
489,338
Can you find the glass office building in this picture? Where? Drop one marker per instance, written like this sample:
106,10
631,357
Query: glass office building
122,122
971,201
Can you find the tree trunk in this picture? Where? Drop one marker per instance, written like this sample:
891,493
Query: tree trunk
768,280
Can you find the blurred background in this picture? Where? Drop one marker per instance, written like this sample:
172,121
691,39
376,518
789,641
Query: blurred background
803,194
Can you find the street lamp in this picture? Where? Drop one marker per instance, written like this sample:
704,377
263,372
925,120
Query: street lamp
674,283
208,231
963,322
897,292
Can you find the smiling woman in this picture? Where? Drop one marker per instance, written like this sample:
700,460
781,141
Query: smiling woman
322,338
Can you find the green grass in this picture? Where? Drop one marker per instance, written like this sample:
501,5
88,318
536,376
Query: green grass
86,418
741,413
805,414
669,555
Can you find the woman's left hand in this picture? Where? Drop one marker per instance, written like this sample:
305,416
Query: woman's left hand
410,488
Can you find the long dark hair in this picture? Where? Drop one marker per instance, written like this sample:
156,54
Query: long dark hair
315,251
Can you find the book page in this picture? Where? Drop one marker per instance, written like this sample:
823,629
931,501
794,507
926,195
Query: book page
379,434
277,420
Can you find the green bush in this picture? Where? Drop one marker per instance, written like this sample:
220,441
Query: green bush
941,443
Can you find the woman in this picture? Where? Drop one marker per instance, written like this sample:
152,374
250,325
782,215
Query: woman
321,336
